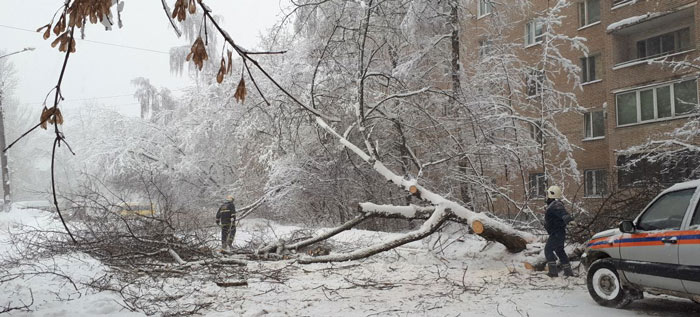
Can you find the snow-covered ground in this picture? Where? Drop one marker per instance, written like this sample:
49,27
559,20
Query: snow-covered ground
467,278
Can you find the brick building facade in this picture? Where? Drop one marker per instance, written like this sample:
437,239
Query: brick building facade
626,99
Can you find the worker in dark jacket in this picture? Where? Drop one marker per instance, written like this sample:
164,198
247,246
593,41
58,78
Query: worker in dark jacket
226,218
555,220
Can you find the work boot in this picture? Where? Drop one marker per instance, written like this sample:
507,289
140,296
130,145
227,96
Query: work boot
567,269
552,269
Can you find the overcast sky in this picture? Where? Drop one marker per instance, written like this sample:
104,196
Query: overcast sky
103,71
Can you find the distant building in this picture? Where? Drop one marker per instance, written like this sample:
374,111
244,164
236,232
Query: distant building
627,100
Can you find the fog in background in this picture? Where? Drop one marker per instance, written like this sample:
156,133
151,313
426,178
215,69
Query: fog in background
100,72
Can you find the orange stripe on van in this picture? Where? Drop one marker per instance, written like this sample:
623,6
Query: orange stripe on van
692,241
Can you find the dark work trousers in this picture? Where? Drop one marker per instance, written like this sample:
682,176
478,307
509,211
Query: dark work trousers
228,233
555,244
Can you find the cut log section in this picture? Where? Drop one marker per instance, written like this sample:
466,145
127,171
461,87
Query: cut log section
534,267
511,240
232,283
478,227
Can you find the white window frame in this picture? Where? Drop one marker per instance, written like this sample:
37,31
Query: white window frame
654,88
531,37
590,127
485,47
534,190
583,20
484,8
597,192
676,40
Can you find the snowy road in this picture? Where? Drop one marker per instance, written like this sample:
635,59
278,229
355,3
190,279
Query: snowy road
465,279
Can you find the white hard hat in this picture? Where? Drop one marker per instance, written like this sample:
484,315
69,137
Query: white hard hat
554,192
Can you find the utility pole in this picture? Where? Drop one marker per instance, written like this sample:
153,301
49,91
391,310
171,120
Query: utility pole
3,160
3,155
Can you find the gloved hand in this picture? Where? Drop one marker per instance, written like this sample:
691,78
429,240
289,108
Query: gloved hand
218,223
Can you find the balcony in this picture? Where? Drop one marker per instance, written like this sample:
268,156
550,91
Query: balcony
652,35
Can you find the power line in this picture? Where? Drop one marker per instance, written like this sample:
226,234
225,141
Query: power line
82,99
94,98
95,42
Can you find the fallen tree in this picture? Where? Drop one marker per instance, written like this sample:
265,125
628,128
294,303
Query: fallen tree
366,211
489,228
436,220
435,217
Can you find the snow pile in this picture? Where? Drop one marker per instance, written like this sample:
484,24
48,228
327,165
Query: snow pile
448,274
632,20
53,286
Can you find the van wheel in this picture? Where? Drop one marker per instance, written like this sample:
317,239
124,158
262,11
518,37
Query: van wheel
604,285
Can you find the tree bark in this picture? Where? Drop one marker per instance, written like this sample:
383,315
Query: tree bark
513,242
410,212
326,235
437,219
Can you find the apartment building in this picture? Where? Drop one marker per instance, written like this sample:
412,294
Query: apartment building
627,100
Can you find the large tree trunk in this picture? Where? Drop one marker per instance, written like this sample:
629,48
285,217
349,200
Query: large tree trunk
326,235
367,211
504,235
437,219
410,212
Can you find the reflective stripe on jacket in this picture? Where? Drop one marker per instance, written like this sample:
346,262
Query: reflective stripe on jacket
226,213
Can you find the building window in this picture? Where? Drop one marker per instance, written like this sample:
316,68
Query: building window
533,32
590,68
636,170
596,183
537,185
485,47
536,133
588,12
485,7
664,44
664,101
534,81
594,124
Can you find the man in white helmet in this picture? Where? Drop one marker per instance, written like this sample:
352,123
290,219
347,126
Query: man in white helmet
555,220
